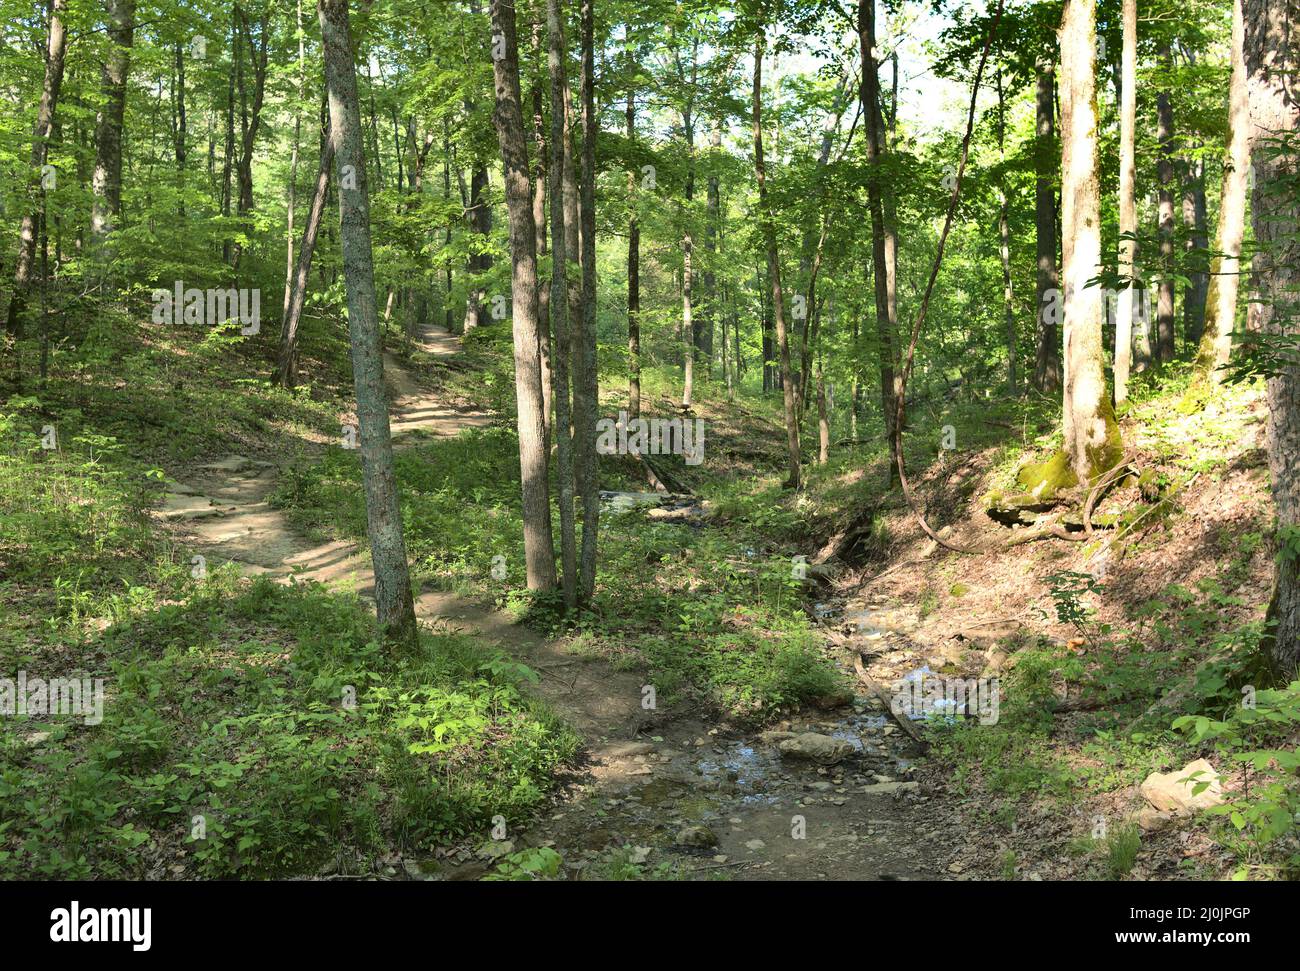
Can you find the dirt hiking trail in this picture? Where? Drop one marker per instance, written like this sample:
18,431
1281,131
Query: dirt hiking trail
821,796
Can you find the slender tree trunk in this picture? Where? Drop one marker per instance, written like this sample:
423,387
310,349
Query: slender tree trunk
726,367
561,394
1272,71
393,601
287,368
689,337
823,419
768,344
1004,251
480,219
1127,204
774,268
539,550
539,232
882,243
447,315
1165,170
250,116
293,176
107,179
1198,276
586,379
228,153
688,323
1225,272
1092,442
707,314
1047,357
633,279
182,129
56,50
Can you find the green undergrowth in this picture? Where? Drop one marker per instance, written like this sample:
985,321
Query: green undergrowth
715,613
253,729
247,728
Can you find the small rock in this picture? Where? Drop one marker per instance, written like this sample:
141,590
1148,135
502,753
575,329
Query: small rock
1172,792
700,837
889,788
755,845
817,748
628,750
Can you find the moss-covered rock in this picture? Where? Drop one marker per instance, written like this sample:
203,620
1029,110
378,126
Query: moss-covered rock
1043,480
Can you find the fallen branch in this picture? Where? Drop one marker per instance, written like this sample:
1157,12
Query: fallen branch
883,697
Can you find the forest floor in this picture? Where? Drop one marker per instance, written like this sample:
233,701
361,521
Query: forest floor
666,790
519,743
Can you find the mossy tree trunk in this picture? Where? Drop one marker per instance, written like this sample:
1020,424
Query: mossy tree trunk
1092,441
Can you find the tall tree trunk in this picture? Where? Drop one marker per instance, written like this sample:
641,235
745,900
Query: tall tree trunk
293,177
560,371
882,241
287,369
480,221
393,601
586,379
1092,442
107,179
1004,251
1165,171
1198,276
823,419
633,279
774,268
768,343
228,152
182,128
689,337
1047,357
250,116
688,323
1225,271
1272,71
707,314
447,315
1129,296
56,50
573,252
539,232
539,550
